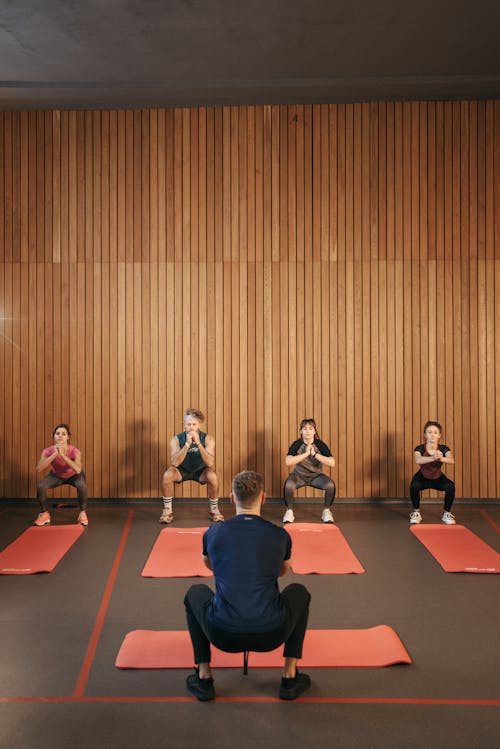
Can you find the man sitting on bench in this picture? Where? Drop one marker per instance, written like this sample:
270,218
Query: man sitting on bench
247,612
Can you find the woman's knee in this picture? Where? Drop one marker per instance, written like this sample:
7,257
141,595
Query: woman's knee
290,485
415,485
43,486
81,483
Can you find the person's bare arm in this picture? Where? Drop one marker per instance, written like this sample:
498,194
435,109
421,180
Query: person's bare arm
422,459
75,464
292,460
448,458
208,452
45,461
326,460
177,454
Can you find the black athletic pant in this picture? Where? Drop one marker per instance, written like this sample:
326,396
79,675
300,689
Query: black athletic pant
51,481
197,601
321,481
442,484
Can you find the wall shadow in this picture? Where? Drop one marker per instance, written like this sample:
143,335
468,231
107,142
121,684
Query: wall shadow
14,480
134,463
389,467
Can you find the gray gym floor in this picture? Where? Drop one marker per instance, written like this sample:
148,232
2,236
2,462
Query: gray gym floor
60,633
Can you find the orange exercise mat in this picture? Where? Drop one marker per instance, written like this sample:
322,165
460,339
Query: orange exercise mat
457,549
38,549
177,553
323,648
321,549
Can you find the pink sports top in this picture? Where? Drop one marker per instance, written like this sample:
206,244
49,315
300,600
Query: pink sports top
58,465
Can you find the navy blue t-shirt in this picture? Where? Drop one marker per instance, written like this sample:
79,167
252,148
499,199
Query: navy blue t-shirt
246,554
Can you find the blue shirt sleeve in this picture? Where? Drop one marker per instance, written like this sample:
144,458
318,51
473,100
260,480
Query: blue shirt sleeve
204,543
288,552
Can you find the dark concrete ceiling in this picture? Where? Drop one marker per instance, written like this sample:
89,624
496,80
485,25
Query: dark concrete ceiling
109,54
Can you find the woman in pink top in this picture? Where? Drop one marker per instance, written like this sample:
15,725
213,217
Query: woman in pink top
65,463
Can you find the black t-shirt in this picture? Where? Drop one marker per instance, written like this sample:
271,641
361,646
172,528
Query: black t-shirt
310,466
246,554
431,470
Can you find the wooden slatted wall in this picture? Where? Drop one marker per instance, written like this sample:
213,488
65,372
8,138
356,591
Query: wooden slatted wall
260,263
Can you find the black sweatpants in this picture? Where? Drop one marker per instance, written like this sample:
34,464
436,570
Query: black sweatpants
197,601
442,484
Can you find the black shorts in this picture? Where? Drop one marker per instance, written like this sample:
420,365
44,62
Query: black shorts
189,476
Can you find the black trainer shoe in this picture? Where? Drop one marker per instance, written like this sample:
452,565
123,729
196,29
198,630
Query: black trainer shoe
290,689
202,689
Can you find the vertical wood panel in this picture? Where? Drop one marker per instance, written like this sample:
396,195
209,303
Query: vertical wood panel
264,264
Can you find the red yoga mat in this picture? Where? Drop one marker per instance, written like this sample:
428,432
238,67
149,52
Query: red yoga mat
323,648
321,549
38,549
457,549
177,553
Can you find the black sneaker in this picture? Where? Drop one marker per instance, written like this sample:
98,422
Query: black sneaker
290,689
202,689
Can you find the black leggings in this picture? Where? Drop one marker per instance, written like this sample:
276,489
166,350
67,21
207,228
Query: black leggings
51,481
442,484
320,481
197,601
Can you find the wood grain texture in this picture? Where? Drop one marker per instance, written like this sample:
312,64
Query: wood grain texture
263,264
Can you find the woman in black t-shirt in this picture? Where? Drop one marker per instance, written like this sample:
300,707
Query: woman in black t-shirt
430,456
306,456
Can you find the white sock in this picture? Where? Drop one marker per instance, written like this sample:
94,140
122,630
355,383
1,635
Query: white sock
167,503
214,503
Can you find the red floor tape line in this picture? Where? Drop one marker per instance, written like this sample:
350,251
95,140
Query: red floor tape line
177,553
88,660
38,549
457,549
323,648
321,549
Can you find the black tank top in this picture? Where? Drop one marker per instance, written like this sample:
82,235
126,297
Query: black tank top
193,461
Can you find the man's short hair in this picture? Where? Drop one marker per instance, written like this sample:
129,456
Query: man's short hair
195,413
247,486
